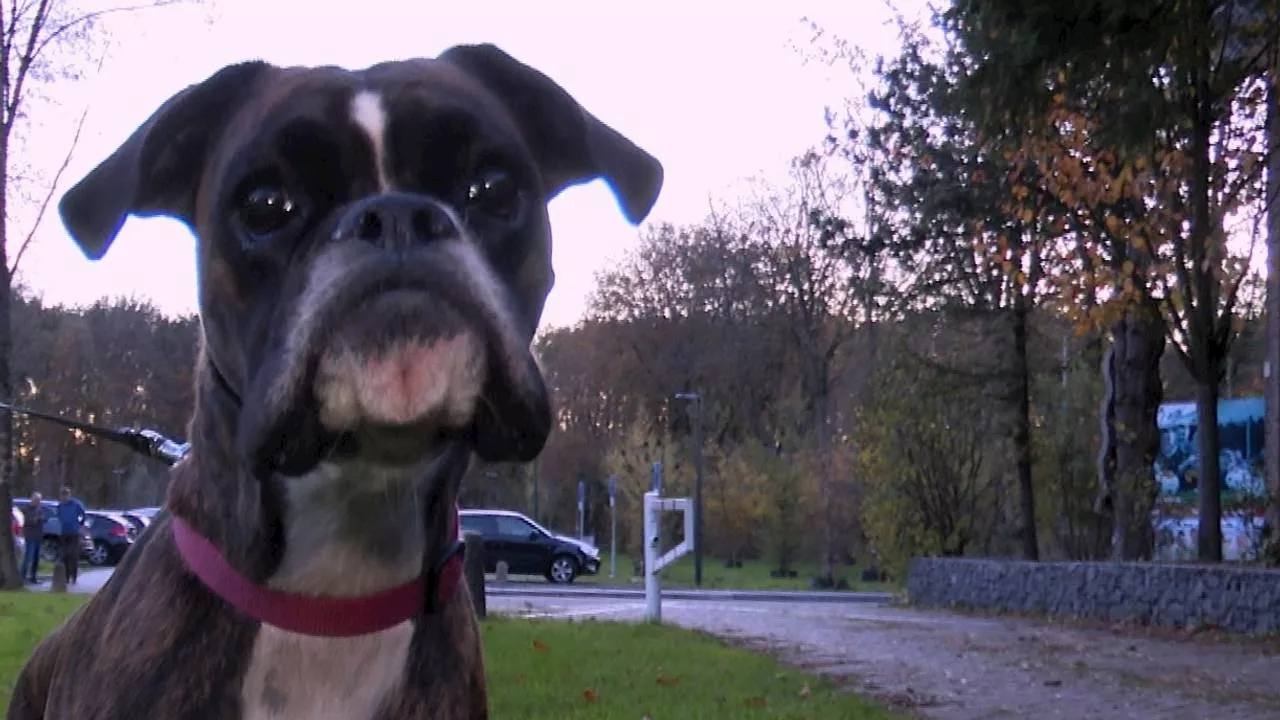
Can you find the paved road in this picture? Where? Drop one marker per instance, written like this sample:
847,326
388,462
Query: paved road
545,590
954,667
945,666
90,581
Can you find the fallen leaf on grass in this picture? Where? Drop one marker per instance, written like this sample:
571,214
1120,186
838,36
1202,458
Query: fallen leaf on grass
540,646
520,679
667,680
805,691
590,695
756,702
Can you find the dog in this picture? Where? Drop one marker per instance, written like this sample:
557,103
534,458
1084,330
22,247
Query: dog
374,255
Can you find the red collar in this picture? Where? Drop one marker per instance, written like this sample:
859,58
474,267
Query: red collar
314,615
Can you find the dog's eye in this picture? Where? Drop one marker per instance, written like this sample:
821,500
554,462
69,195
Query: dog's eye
496,194
265,210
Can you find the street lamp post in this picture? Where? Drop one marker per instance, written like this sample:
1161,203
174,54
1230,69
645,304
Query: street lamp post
696,399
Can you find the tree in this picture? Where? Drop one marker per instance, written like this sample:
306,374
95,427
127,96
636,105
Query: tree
964,231
1178,82
931,488
40,41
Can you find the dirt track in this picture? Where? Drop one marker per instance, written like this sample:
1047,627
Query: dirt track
956,667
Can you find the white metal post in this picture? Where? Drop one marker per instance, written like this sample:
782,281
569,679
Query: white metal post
652,580
654,504
613,540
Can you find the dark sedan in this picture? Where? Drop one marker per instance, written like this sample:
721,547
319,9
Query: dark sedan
112,536
528,548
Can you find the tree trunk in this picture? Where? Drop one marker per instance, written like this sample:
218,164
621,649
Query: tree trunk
1206,349
1210,485
1022,429
1271,381
1139,344
10,578
822,423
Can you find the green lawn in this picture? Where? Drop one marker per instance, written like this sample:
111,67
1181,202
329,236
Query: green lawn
753,575
25,617
560,670
549,670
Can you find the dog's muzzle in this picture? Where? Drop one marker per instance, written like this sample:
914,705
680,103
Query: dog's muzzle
403,338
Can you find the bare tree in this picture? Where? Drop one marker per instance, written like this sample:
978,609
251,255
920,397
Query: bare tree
40,41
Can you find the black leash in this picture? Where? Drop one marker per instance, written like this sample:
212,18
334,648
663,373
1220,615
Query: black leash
140,440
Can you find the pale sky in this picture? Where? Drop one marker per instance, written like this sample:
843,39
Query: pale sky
718,92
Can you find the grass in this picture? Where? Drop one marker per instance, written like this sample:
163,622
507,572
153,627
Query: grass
549,670
25,618
604,670
753,575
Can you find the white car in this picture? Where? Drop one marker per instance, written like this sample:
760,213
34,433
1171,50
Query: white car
19,545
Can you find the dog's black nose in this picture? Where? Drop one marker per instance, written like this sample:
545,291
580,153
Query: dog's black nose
397,220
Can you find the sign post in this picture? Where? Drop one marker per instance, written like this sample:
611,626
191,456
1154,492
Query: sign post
613,522
654,504
582,506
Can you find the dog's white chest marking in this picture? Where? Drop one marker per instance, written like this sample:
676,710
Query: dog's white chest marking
298,677
367,113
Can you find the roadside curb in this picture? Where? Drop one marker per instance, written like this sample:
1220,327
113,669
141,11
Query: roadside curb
515,590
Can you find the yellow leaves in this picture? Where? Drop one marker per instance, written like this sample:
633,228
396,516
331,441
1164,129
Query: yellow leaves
539,646
804,691
667,680
590,695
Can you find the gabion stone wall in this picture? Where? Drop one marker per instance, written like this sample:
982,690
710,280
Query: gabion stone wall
1241,600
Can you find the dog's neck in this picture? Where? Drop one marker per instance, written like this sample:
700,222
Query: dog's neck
352,529
341,530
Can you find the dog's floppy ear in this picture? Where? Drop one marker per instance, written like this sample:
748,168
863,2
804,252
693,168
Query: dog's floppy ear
156,170
570,144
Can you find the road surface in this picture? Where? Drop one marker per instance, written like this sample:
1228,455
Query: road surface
946,666
955,667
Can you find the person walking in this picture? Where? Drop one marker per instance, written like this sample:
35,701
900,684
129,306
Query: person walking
70,519
32,533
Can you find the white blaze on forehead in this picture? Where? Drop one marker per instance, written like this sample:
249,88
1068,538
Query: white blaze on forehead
368,115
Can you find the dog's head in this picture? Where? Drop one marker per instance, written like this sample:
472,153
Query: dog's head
374,246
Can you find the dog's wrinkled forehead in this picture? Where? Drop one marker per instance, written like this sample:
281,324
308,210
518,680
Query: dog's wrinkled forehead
411,125
328,120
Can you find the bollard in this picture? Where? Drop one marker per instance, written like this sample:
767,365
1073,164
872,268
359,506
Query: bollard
473,569
500,573
59,578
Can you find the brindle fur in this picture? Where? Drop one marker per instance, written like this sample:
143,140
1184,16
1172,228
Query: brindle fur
154,642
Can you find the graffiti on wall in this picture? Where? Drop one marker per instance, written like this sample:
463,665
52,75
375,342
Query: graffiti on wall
1243,483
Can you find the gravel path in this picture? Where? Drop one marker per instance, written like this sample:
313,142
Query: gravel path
957,667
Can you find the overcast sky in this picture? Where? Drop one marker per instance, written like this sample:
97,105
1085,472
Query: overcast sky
717,91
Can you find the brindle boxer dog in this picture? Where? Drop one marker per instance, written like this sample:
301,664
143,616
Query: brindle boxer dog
374,255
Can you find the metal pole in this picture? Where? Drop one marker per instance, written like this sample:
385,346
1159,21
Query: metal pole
696,399
652,580
697,499
535,491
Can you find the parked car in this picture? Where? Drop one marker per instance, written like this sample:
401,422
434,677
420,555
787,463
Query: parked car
528,548
146,512
19,545
139,521
50,549
112,536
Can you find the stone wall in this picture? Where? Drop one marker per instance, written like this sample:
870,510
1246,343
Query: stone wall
1241,600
